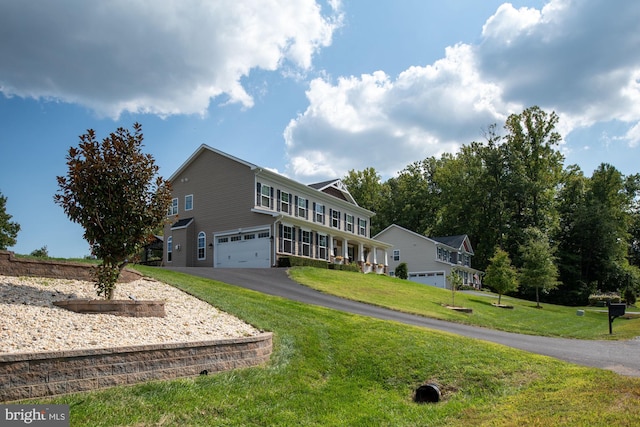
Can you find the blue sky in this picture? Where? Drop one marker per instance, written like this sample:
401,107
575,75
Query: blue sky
309,88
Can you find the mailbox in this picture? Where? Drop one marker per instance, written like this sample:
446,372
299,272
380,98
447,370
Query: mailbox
616,310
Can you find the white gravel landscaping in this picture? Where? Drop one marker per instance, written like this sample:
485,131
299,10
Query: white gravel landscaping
29,322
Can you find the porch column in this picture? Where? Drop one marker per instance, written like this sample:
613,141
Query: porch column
386,261
345,249
361,252
330,243
375,256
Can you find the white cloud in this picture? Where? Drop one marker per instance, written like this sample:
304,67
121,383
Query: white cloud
580,59
169,57
373,120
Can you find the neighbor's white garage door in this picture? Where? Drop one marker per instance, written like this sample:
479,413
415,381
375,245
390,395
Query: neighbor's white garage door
243,250
433,279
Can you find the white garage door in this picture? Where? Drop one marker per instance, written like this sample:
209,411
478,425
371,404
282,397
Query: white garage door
243,250
433,279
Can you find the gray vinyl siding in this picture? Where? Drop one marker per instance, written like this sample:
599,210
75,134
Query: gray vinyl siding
223,196
225,202
330,204
418,253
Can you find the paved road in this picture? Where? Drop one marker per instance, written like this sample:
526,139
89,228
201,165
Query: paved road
622,357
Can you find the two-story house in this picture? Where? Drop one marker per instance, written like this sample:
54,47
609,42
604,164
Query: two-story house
431,260
229,213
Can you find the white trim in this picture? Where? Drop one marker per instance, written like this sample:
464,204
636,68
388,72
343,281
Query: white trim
204,247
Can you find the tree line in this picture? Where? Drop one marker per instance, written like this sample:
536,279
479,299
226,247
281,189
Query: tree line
512,186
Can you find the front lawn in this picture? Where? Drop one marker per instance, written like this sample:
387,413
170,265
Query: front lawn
429,301
335,369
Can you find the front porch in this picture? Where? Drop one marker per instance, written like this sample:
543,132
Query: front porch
369,258
331,246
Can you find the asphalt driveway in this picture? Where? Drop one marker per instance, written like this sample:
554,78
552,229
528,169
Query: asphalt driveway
622,357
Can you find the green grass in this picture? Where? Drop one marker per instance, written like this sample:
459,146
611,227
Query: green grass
74,260
429,301
335,369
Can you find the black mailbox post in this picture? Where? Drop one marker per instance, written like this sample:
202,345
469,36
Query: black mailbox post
615,310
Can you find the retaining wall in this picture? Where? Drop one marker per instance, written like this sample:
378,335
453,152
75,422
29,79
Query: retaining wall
24,376
33,375
12,266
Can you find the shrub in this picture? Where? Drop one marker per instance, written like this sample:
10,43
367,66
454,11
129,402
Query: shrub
601,299
402,271
41,253
629,296
293,261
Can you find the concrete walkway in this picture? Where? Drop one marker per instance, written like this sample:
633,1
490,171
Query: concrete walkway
622,357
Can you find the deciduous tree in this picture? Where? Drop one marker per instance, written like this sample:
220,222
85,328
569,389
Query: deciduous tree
113,191
501,276
538,268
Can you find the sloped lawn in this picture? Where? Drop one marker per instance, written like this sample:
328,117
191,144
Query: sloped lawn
336,369
429,301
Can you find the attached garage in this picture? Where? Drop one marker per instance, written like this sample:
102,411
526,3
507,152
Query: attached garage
429,278
243,250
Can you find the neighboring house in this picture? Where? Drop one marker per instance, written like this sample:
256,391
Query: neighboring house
430,260
229,213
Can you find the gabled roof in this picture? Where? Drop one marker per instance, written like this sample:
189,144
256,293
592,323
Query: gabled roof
456,242
453,241
336,188
459,242
202,148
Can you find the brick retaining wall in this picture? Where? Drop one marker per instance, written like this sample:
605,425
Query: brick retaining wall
12,266
25,376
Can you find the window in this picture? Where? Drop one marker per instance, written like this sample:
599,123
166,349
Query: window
305,250
236,238
173,209
287,239
223,240
263,235
265,196
335,219
322,247
362,227
188,202
319,214
169,247
349,222
396,254
302,207
202,245
284,202
249,236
